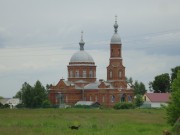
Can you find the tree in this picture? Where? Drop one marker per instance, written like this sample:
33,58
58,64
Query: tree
18,95
1,105
150,86
173,109
130,80
32,97
48,86
161,83
27,95
174,72
39,94
139,88
138,100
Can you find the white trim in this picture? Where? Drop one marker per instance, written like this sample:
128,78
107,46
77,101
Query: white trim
116,58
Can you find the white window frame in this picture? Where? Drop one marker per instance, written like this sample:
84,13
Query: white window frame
84,73
77,73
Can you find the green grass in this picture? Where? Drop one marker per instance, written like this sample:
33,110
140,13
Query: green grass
92,121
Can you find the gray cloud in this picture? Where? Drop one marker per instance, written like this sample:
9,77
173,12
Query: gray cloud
36,36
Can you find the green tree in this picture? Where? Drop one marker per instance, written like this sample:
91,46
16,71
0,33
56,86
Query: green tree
130,80
1,105
173,109
48,86
39,94
174,72
27,95
138,100
161,83
32,97
150,86
139,88
18,95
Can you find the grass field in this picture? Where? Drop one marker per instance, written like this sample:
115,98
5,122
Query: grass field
92,121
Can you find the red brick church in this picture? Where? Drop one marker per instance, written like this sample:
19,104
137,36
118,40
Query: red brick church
82,85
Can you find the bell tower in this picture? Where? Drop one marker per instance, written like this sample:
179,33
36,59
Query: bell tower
116,70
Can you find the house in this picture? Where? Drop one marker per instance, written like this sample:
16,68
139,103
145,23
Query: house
155,100
10,101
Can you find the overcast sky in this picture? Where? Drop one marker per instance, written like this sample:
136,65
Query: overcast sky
38,38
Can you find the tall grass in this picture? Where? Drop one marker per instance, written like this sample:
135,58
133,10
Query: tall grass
92,121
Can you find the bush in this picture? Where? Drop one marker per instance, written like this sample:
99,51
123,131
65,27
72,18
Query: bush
46,104
176,127
6,106
20,105
1,105
124,105
82,106
138,100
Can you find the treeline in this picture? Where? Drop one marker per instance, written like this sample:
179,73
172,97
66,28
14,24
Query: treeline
163,83
33,96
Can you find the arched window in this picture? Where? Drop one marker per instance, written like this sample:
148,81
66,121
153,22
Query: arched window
129,98
77,73
84,73
118,52
122,97
90,73
119,74
90,98
111,52
110,74
103,99
112,98
70,73
66,99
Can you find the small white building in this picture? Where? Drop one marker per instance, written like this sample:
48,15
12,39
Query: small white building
10,101
88,103
155,100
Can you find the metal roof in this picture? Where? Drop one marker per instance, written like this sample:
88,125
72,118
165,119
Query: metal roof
84,103
158,97
81,56
116,39
96,84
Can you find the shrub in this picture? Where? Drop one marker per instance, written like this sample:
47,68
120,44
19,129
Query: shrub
46,104
138,100
1,105
176,127
20,105
82,106
124,105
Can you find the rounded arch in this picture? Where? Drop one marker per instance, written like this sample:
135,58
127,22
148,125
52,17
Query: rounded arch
110,74
122,97
119,74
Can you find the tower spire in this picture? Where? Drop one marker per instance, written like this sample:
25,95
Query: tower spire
115,25
81,43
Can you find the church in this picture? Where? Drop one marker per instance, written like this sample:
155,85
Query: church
82,85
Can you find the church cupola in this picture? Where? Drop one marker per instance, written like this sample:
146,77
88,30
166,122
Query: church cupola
116,38
81,67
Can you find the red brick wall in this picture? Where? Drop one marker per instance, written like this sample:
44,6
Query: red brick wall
104,96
